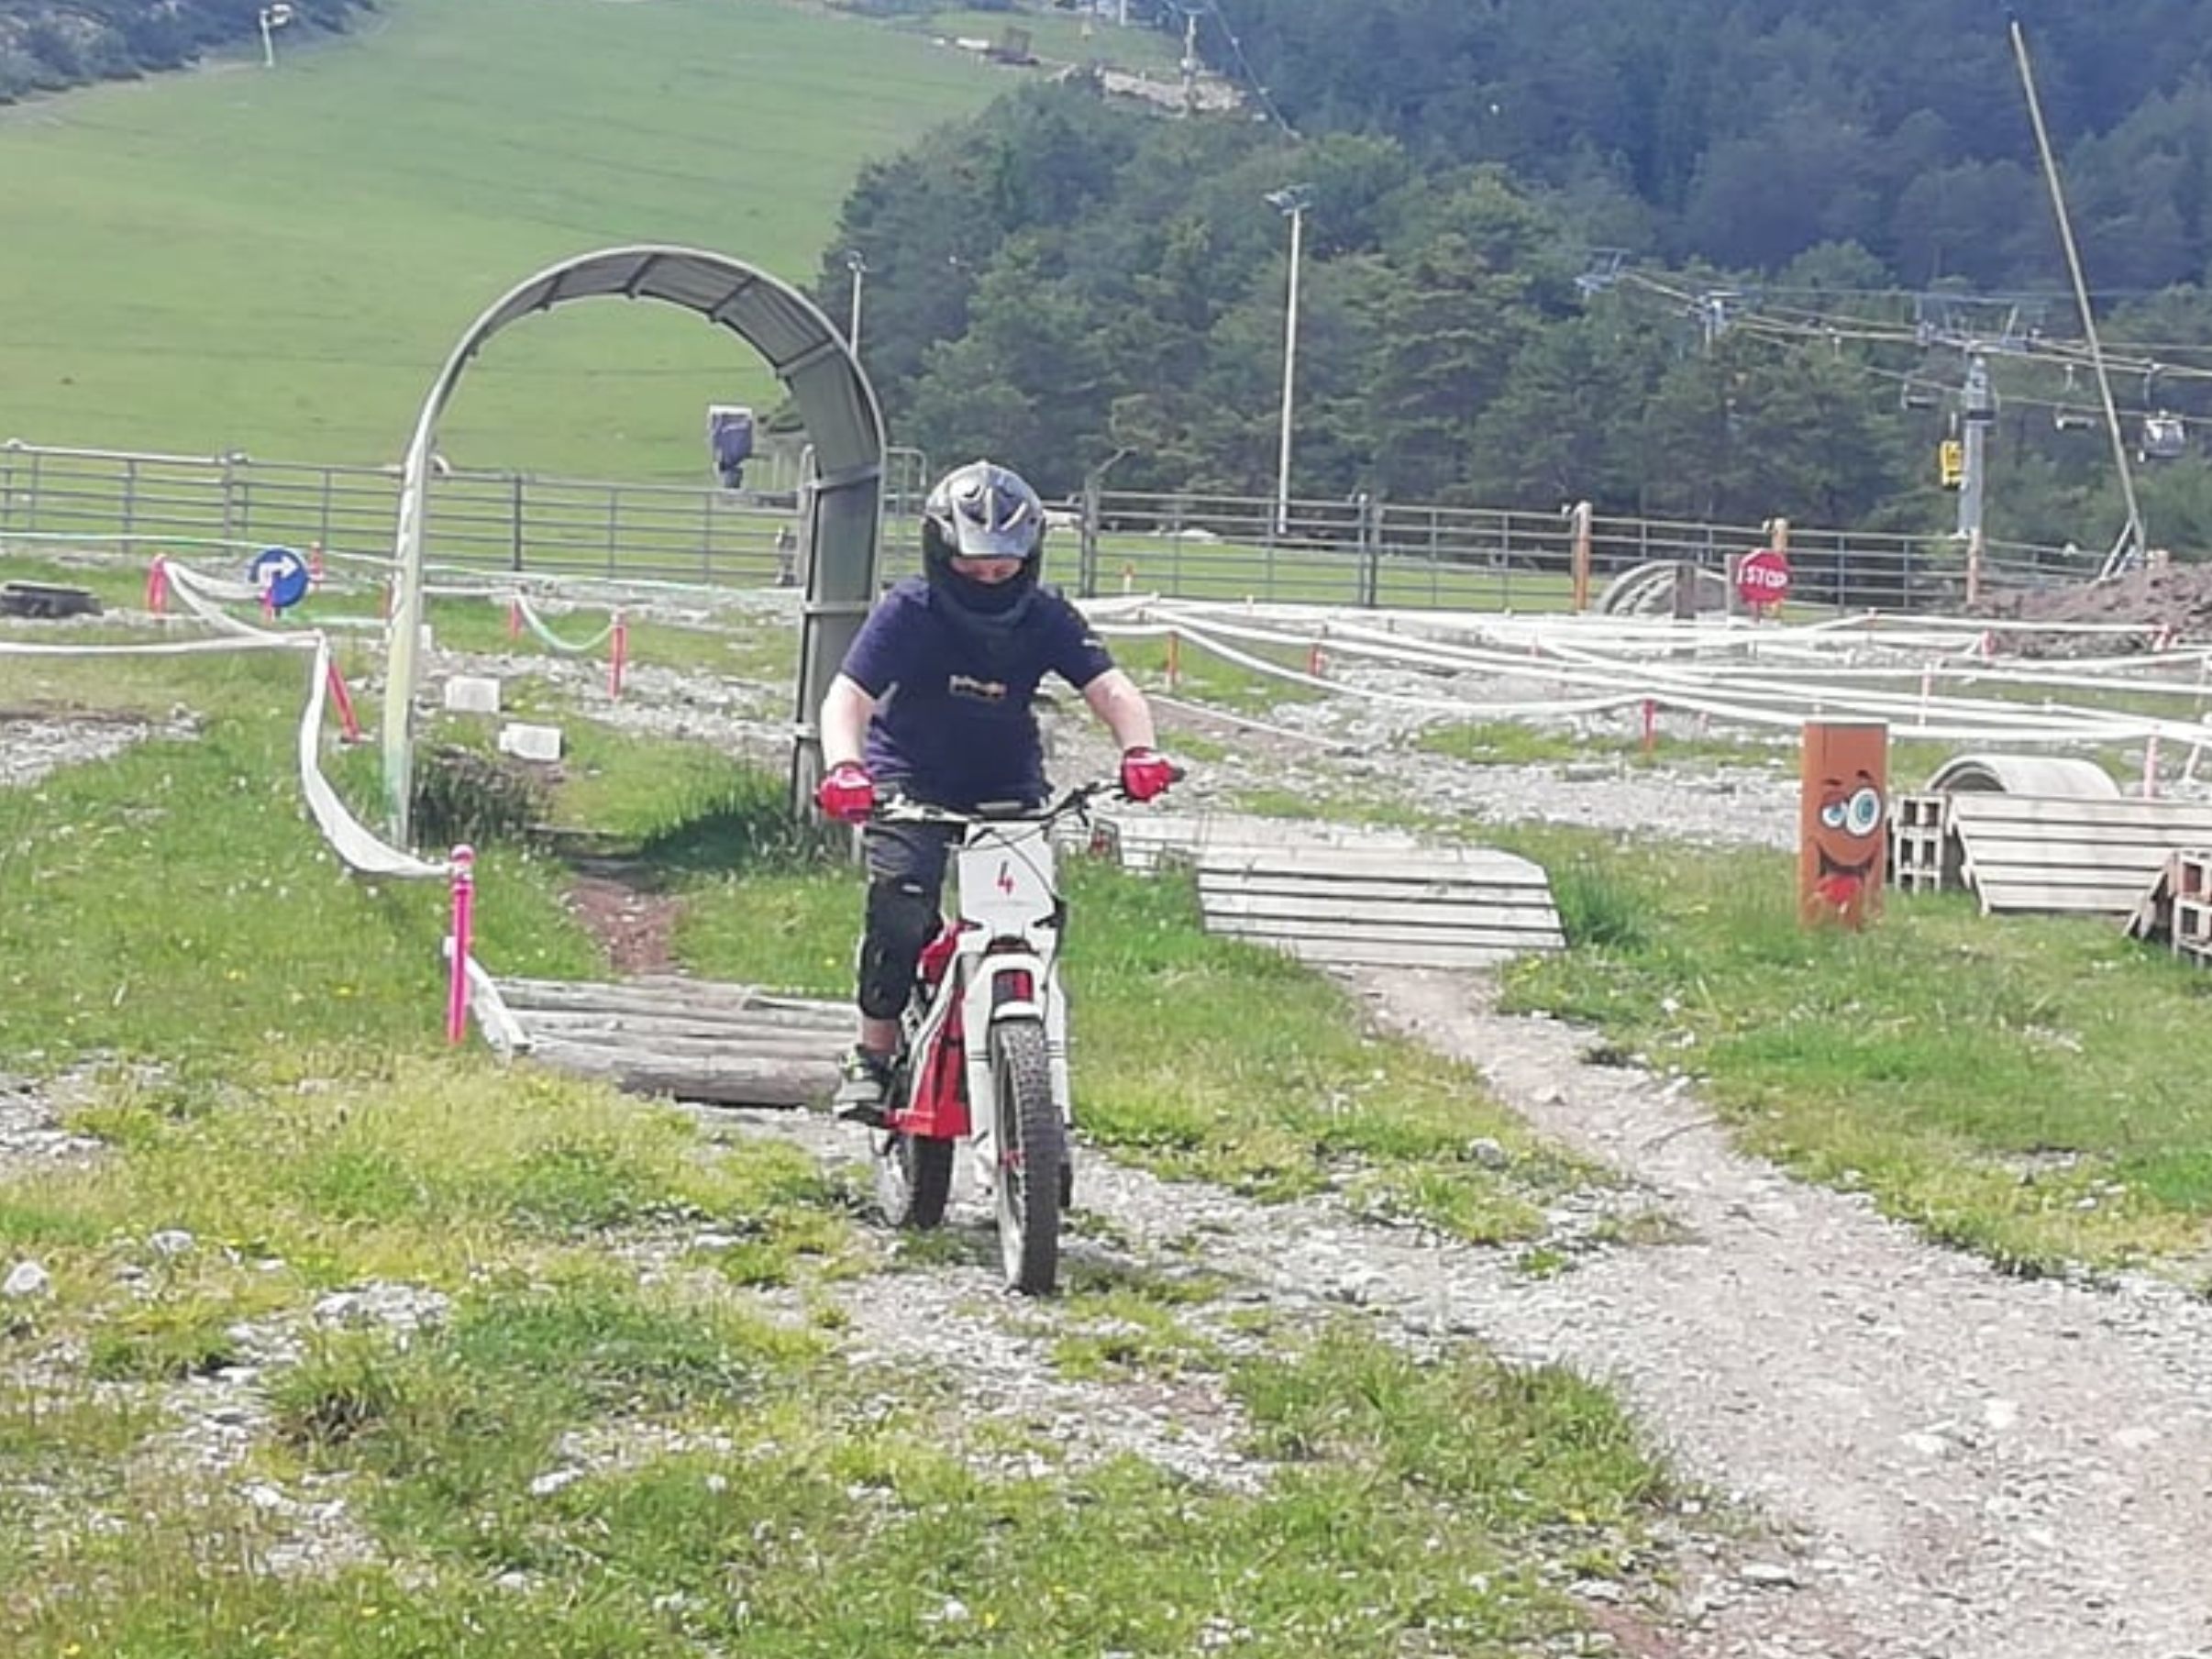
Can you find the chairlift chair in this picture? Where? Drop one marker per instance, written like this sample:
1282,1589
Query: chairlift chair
2071,420
2164,437
1912,395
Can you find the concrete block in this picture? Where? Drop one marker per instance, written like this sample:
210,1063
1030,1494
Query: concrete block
472,695
527,742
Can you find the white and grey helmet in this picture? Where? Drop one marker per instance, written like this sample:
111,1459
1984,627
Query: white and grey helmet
983,511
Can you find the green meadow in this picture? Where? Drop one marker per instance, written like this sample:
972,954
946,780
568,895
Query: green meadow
278,262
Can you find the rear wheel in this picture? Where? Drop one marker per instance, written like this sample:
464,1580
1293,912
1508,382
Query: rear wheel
913,1175
1033,1152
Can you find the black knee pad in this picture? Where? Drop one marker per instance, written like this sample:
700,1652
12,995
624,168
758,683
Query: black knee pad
900,918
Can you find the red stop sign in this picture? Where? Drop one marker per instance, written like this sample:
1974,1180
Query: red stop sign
1763,577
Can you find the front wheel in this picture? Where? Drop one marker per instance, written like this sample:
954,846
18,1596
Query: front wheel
1032,1153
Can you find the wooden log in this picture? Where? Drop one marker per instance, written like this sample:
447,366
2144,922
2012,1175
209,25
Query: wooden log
735,1001
707,1043
730,1080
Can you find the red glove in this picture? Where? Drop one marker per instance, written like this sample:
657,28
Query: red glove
1147,773
847,793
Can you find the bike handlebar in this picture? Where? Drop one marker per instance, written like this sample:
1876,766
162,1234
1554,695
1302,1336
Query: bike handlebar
901,809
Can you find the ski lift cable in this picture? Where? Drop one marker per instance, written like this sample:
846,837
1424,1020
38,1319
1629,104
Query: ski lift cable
1236,47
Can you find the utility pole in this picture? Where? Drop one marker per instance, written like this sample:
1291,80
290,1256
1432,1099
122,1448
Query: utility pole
1292,201
1976,413
1191,19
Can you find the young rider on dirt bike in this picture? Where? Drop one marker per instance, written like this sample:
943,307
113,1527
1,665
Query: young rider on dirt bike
934,701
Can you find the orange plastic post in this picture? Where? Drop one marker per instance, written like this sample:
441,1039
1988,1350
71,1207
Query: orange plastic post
1175,665
1843,822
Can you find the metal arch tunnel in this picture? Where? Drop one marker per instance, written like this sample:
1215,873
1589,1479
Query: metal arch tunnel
843,503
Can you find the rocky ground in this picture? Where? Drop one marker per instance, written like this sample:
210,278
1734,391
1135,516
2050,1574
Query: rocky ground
1953,1464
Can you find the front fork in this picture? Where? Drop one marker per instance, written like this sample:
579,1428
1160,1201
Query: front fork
981,1006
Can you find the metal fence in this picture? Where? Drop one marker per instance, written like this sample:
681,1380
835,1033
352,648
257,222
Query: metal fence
1359,552
1365,552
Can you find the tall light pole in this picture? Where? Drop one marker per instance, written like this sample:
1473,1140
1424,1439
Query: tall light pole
1293,201
272,17
858,267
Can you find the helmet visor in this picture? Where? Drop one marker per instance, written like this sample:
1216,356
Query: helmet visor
989,514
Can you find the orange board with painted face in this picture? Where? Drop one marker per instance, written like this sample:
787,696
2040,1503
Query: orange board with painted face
1842,822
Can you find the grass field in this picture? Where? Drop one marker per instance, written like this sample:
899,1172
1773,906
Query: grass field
279,261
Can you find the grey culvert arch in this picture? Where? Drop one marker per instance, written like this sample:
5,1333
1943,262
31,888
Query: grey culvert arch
843,503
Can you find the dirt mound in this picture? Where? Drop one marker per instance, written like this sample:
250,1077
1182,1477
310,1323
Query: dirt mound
2174,601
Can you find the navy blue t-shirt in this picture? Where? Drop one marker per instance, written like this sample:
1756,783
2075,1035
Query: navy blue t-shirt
953,721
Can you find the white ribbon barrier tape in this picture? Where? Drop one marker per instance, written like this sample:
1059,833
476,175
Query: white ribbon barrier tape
204,597
553,641
1629,684
353,843
348,838
173,647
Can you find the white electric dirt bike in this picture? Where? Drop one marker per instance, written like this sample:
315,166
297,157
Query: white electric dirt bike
983,1052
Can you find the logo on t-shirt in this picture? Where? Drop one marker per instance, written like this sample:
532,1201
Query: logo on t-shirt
980,691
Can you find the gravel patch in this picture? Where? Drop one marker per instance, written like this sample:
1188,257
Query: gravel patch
1955,1465
1951,1464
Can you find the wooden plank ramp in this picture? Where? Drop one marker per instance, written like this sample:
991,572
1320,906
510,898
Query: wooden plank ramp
2069,855
1332,895
668,1035
1344,896
1137,840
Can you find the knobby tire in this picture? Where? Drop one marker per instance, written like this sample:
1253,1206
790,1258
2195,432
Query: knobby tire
1032,1153
913,1176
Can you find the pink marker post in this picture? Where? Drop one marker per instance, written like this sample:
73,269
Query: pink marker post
618,655
464,915
157,584
348,723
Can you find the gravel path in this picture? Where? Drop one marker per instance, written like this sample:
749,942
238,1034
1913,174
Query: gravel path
1960,1465
1955,1465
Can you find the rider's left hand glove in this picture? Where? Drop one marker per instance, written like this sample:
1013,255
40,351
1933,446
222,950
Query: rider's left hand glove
1147,773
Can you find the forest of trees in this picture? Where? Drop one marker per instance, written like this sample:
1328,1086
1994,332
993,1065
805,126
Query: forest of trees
47,44
1717,258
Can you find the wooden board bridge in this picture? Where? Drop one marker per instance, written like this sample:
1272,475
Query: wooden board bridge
1327,895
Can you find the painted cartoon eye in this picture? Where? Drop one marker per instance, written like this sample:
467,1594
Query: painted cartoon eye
1862,812
1831,814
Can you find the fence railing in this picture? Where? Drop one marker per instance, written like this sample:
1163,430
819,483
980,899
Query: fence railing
1402,554
1359,552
